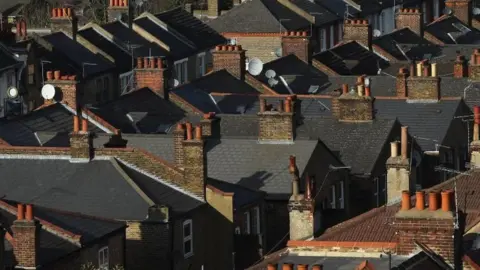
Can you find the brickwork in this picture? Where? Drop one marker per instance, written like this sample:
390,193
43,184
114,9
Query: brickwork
25,234
262,47
195,164
323,68
231,58
152,73
353,108
180,102
69,90
117,8
358,30
411,18
81,145
297,43
214,8
474,66
398,177
210,126
461,9
62,20
423,88
301,215
401,83
460,68
275,126
178,137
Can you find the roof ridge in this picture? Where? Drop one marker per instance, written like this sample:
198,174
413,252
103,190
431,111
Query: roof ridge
48,226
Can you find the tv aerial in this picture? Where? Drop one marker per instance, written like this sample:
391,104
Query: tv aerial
12,92
270,74
255,66
377,33
48,91
476,11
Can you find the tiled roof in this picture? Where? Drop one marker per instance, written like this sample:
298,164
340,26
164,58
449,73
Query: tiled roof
338,263
451,24
259,16
192,28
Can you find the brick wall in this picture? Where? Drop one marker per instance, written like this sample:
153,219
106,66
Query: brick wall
401,83
151,73
275,126
231,58
411,18
460,67
297,43
81,145
25,233
358,30
301,216
262,47
355,108
223,202
426,88
461,9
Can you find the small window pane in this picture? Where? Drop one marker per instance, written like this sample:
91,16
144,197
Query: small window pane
187,247
186,230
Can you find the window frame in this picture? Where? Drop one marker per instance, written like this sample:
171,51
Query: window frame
203,67
256,215
188,238
181,70
323,39
247,220
332,36
340,32
341,198
102,263
333,202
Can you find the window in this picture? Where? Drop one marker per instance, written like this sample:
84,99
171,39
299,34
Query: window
187,238
323,38
237,230
103,258
332,197
436,8
246,223
181,70
424,9
340,32
256,220
332,36
126,82
341,199
31,74
201,65
379,186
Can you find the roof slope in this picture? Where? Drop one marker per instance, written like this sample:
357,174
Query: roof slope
441,27
259,16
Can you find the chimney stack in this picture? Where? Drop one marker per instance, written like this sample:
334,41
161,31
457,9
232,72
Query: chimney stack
232,58
194,160
358,30
460,69
64,19
276,126
68,89
410,18
297,43
178,138
420,224
398,169
356,105
21,33
152,73
210,125
214,8
118,10
462,9
81,145
425,86
474,67
301,207
25,234
475,144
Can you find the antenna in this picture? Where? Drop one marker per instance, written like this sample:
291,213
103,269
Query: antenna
476,11
454,36
313,89
48,91
272,82
255,66
286,85
377,33
12,92
270,74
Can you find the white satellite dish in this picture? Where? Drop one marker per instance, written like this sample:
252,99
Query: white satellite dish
12,92
48,91
278,52
255,66
447,11
377,33
270,74
272,82
476,11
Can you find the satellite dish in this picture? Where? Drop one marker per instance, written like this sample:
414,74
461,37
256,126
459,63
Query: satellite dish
278,52
270,74
447,11
255,66
377,33
476,11
12,92
272,82
173,82
48,91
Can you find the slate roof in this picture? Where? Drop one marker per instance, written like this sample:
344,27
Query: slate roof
21,130
259,16
242,197
7,59
53,246
98,188
321,14
140,111
447,24
202,35
78,54
389,42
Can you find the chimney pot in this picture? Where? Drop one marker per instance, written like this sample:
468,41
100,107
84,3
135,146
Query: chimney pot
189,131
116,3
360,89
29,212
272,266
420,200
180,127
288,106
287,266
344,88
308,188
198,133
367,91
139,60
152,63
317,267
84,125
111,3
292,164
263,105
432,201
476,114
145,62
405,200
280,106
57,74
159,62
302,267
76,125
54,13
446,200
404,142
426,71
49,75
419,69
20,212
394,149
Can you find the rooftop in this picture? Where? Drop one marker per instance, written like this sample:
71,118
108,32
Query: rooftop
447,27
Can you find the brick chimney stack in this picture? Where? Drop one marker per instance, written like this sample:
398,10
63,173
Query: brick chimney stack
152,73
460,68
276,126
475,144
64,19
301,207
355,105
401,83
81,145
178,138
194,160
358,30
25,234
118,10
430,226
297,43
398,169
68,89
210,125
423,84
232,58
474,67
410,18
21,33
214,8
462,9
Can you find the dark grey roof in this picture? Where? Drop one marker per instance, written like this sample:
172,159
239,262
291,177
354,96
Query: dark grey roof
259,16
7,59
337,7
177,47
390,41
321,14
451,24
192,28
241,196
78,54
340,263
122,57
21,130
140,111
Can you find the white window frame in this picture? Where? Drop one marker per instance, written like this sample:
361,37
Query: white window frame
182,74
323,37
237,230
332,36
436,9
203,68
341,199
333,202
246,216
103,258
424,9
340,32
188,238
256,213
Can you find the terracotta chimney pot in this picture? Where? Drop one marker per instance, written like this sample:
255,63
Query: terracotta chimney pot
20,212
432,201
405,200
420,200
29,212
84,125
189,131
